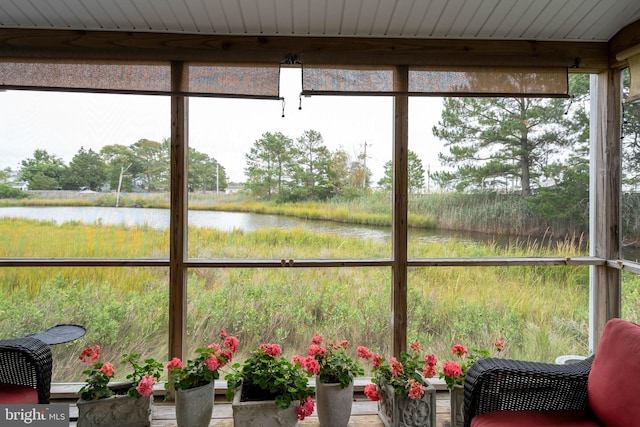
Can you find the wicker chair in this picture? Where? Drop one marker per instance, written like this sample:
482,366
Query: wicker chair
26,362
598,391
511,385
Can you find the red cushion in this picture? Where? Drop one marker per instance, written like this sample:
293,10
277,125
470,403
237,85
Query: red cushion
535,419
615,375
10,393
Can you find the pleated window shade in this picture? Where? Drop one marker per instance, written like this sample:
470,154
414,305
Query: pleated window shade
450,81
250,81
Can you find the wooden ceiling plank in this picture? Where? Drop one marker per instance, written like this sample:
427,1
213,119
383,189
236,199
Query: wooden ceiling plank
300,18
250,16
519,16
432,16
619,20
284,17
478,20
494,25
351,17
119,20
80,16
333,16
183,15
415,19
367,17
316,19
587,27
572,13
398,18
537,28
268,20
200,16
150,14
217,16
167,16
234,17
41,16
383,18
453,10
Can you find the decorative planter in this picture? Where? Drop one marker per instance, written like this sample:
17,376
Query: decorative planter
333,404
117,411
457,406
194,406
261,413
397,411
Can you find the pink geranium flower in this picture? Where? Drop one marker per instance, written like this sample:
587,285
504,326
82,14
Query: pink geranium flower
416,390
430,360
305,408
363,352
90,355
232,343
451,369
174,363
396,367
107,369
317,339
371,391
316,351
212,362
145,386
272,350
459,350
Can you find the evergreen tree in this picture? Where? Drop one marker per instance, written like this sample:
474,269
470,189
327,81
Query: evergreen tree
501,143
267,164
415,174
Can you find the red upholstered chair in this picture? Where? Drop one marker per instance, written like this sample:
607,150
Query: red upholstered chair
25,371
600,391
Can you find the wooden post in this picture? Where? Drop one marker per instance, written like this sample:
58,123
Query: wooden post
178,220
400,206
605,223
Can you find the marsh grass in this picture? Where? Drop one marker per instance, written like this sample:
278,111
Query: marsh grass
541,312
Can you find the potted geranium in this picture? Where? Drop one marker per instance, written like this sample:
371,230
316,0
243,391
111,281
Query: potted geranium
454,371
401,388
194,381
335,373
127,404
270,388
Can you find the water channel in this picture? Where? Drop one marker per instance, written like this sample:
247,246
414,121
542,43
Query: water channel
225,221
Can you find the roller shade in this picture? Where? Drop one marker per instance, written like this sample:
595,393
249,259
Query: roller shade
450,81
490,81
210,80
634,77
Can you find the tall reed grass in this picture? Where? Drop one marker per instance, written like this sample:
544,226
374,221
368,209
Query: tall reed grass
541,312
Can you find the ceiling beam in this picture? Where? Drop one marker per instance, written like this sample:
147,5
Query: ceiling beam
107,45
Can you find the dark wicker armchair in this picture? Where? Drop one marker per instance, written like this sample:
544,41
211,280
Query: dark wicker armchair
26,362
501,384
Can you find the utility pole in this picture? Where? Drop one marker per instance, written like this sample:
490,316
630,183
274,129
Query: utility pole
122,171
364,172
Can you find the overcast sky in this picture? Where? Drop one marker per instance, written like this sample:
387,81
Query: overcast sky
225,129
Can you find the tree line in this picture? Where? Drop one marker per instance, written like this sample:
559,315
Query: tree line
143,165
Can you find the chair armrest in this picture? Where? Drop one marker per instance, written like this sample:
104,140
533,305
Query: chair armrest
501,384
27,361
